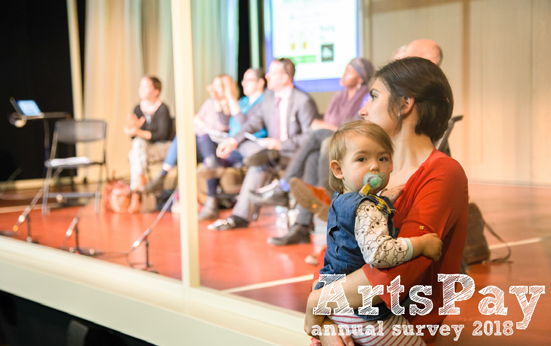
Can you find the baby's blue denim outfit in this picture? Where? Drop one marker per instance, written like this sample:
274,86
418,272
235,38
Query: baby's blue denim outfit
343,255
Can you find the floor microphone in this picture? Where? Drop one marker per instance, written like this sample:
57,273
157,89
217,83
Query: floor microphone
140,239
30,207
22,218
74,223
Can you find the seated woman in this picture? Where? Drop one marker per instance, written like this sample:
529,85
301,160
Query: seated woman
413,102
307,162
150,128
224,94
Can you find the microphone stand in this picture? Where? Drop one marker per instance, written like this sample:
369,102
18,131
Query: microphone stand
10,179
144,238
25,215
73,228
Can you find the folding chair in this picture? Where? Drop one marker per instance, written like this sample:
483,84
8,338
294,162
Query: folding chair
442,144
73,132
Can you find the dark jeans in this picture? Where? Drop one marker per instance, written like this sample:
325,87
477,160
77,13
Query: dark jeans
206,149
310,166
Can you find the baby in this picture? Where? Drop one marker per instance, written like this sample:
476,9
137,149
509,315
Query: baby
359,225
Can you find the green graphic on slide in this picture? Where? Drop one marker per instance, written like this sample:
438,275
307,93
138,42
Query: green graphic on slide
303,59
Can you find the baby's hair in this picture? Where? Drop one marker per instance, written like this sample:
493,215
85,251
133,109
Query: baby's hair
337,147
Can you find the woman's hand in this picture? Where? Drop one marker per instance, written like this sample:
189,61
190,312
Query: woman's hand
230,92
310,319
432,246
225,148
394,192
198,123
334,340
130,131
133,121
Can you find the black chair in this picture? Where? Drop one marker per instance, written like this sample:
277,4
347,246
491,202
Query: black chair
442,144
73,132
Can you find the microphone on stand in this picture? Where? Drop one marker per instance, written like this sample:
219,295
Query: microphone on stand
73,225
30,207
144,236
22,218
140,239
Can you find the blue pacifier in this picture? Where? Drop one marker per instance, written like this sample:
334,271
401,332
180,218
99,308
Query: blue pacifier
373,181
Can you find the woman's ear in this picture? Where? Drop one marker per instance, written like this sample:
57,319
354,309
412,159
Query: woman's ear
336,169
407,105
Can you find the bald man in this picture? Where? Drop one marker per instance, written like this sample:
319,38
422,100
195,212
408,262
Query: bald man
427,49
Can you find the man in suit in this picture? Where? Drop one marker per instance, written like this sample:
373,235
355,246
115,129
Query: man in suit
286,113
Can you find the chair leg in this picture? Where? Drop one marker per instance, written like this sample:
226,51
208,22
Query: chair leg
256,212
98,191
46,191
257,207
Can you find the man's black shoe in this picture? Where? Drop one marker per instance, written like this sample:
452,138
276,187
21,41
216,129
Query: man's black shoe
262,157
230,223
298,234
154,186
270,195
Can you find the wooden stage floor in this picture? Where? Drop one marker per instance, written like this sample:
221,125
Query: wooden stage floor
241,262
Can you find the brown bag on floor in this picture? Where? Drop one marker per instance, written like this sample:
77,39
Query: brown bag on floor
117,196
476,247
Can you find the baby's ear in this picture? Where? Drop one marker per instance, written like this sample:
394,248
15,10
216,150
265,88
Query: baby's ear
336,169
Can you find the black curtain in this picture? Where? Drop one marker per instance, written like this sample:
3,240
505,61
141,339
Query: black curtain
34,64
244,48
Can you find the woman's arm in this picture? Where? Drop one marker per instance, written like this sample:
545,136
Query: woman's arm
201,119
143,134
233,104
238,114
163,128
350,286
441,198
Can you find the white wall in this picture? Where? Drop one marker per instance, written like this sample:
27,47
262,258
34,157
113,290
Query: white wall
496,56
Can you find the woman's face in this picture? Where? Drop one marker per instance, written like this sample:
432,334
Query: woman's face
218,88
376,108
146,90
350,78
251,84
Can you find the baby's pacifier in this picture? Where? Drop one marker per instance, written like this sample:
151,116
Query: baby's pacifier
373,182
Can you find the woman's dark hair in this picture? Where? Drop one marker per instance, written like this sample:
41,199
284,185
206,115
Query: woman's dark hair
425,82
260,74
157,85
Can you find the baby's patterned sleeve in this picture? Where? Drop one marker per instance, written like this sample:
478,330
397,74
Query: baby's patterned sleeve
378,248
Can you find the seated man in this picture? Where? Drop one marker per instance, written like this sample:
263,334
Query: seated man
286,113
307,163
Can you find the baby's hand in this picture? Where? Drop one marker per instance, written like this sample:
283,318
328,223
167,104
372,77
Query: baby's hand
432,246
